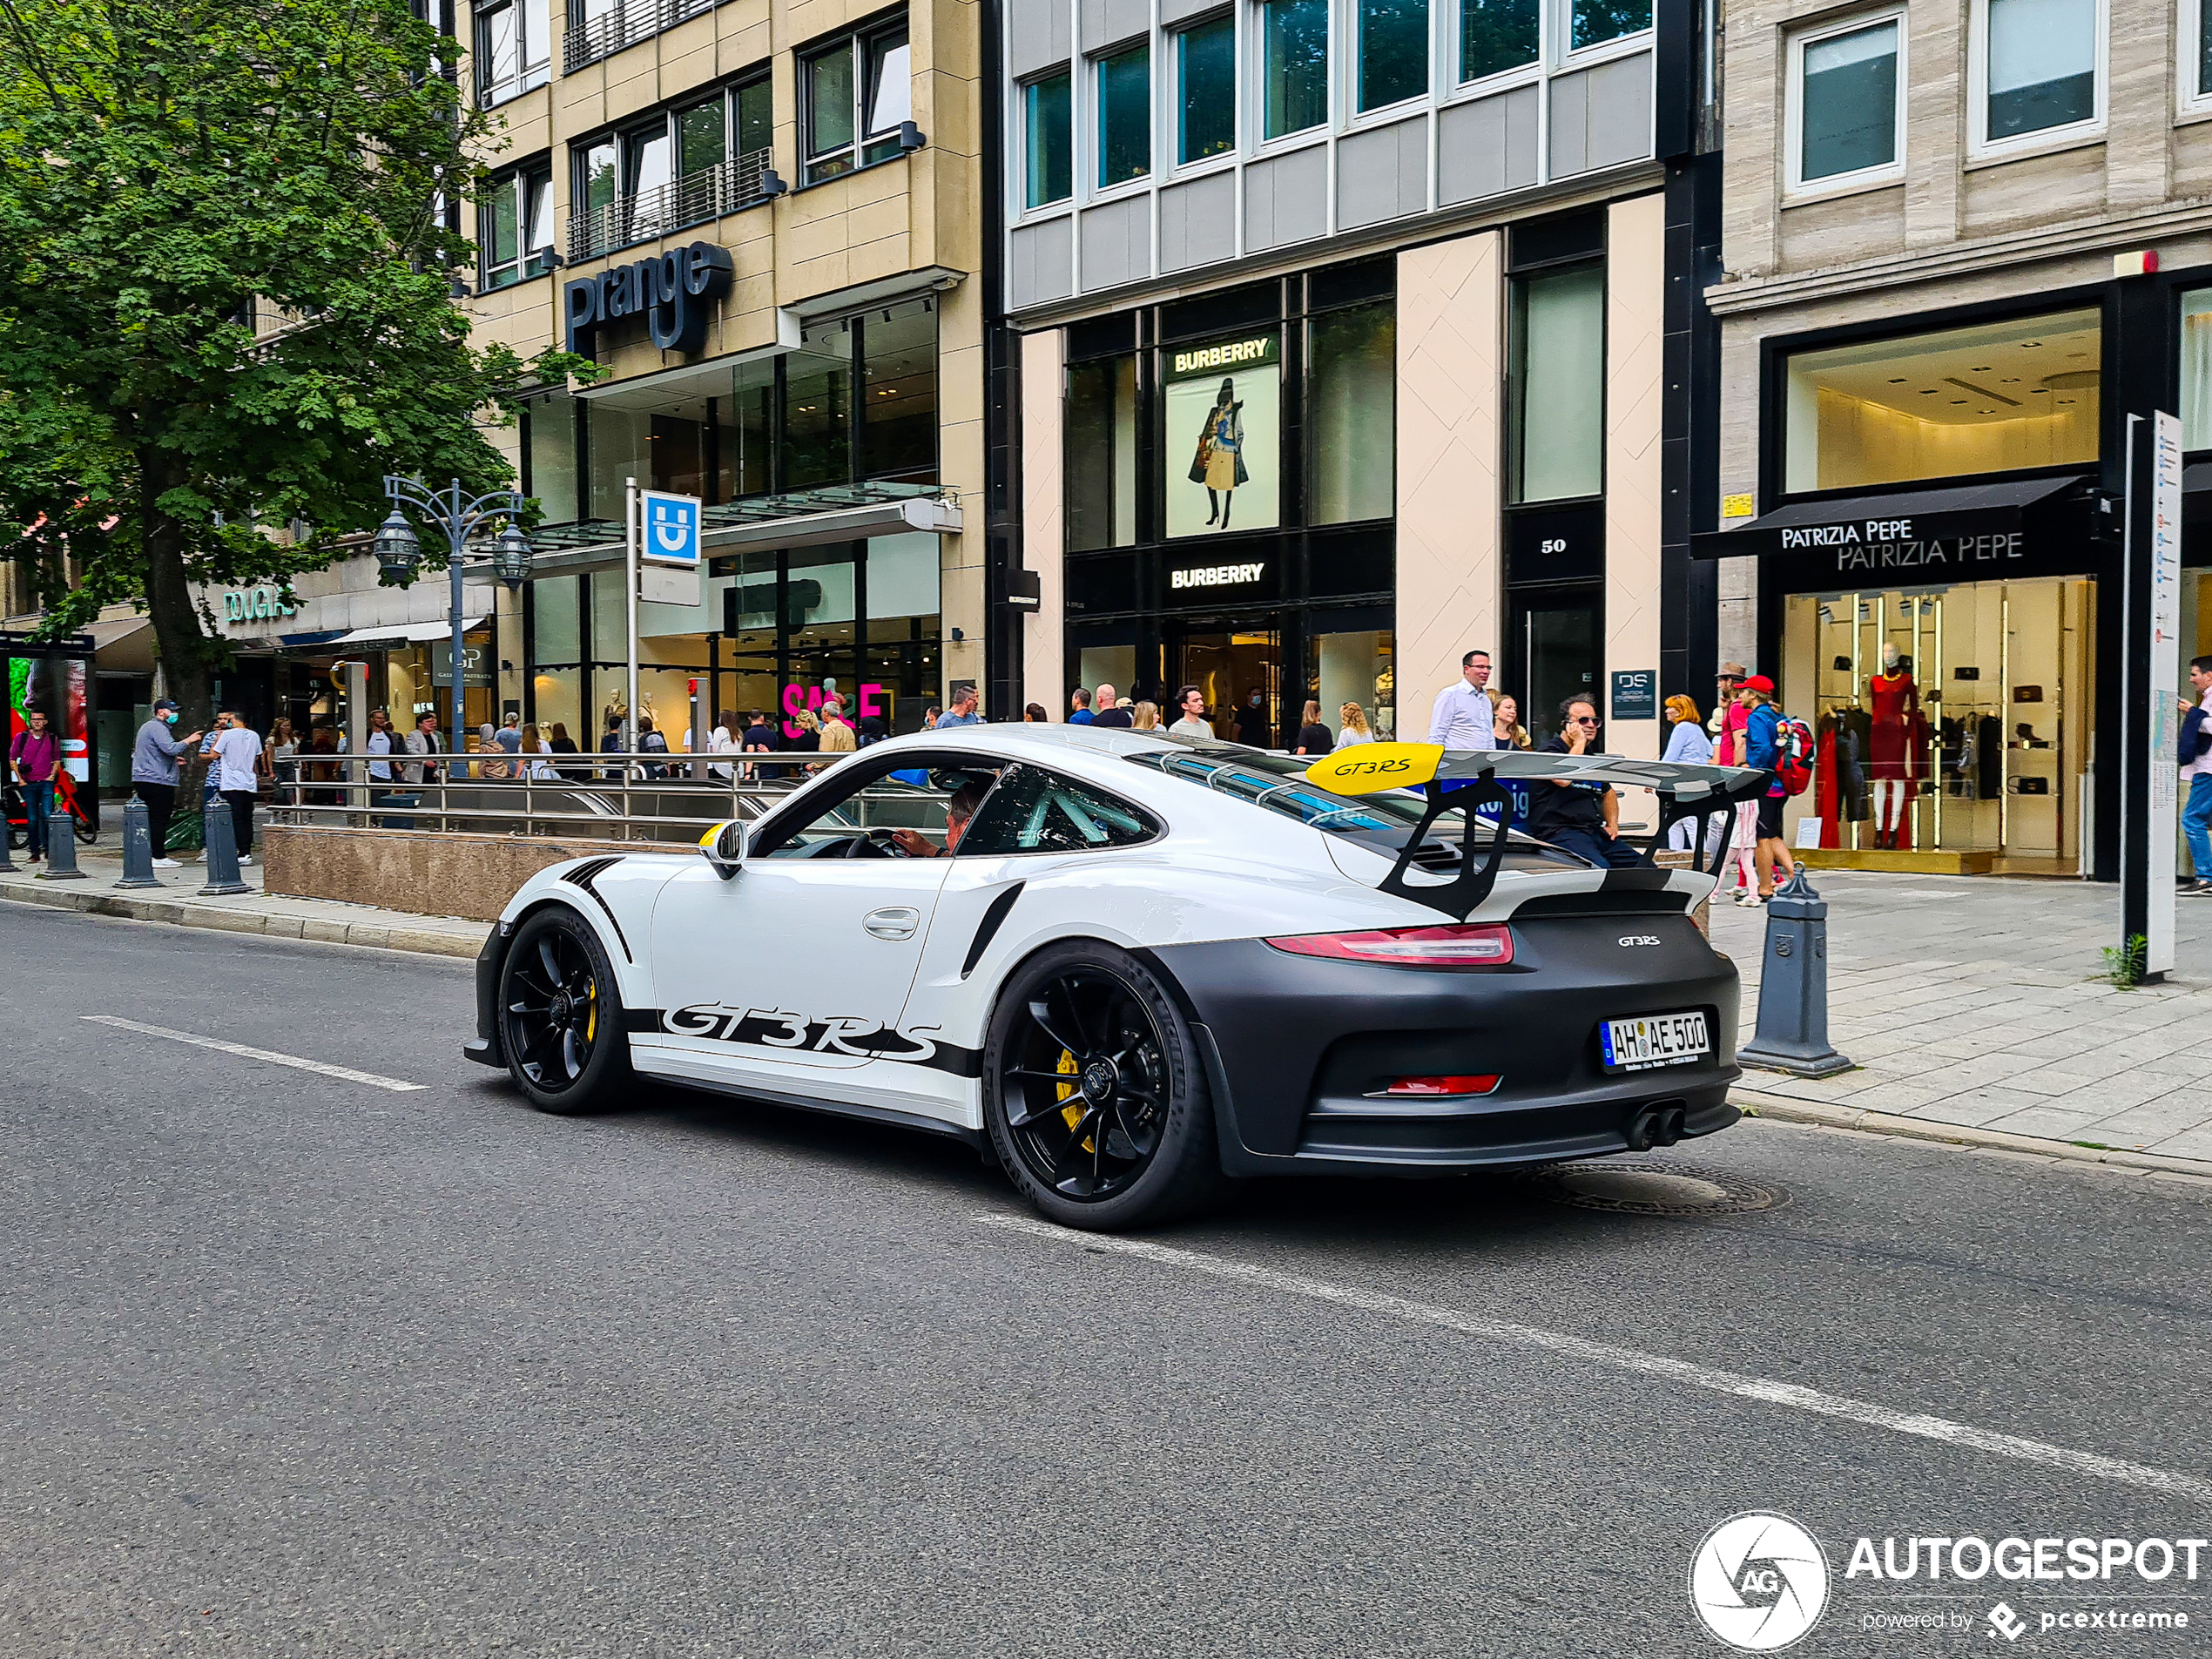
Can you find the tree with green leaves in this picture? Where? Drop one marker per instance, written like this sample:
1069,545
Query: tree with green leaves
170,171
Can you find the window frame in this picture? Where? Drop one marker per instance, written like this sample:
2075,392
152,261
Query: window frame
1980,147
669,115
1176,38
1513,491
1024,208
1561,52
528,263
527,76
2189,99
860,42
1094,154
1013,770
1795,187
1353,118
1548,34
1253,98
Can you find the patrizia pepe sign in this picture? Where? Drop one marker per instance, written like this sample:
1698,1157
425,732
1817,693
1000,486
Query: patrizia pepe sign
2034,527
1889,544
673,292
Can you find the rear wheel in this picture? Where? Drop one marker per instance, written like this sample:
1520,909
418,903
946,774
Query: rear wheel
1093,1095
560,1016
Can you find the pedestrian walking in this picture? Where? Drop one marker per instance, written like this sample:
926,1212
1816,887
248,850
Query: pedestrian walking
1463,717
492,767
280,760
1726,683
838,736
153,775
963,710
1145,717
1763,748
1728,750
35,754
1108,710
510,734
1584,818
653,743
930,716
1191,722
423,741
1079,708
1351,726
1034,714
809,740
382,743
1313,737
236,766
1687,744
1255,729
533,756
1505,725
2196,778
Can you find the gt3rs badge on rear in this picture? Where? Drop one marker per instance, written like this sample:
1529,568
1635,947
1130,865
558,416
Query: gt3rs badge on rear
1639,939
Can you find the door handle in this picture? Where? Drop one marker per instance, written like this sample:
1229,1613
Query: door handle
894,922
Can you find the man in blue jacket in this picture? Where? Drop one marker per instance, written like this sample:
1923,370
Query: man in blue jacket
2197,777
1763,748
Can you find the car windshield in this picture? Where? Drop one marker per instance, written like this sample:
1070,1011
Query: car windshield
1381,822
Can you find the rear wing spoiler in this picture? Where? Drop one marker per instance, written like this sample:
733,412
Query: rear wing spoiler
1467,781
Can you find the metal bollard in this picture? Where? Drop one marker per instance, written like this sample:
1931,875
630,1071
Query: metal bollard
138,846
8,866
1793,1034
61,847
222,852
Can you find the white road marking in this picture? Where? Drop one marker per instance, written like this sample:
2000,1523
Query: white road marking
345,1073
1651,1364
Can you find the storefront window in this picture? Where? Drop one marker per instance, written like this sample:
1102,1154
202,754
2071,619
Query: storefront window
1352,414
2197,369
818,409
1993,398
1496,35
1206,73
747,453
1296,81
1223,420
621,449
898,351
549,443
557,620
1557,440
1101,455
1352,664
1393,50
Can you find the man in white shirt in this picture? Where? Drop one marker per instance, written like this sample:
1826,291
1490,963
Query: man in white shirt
1464,718
237,756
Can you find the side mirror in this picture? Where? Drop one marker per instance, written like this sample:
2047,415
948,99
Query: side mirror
723,846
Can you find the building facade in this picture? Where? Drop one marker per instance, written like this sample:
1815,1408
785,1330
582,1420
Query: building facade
762,219
1967,258
1345,344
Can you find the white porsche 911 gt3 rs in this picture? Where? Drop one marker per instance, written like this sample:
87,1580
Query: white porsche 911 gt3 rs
1128,965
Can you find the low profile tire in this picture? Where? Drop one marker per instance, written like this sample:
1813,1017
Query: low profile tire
1094,1094
560,1017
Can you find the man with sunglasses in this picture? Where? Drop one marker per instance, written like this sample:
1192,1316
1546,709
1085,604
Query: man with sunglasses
1583,818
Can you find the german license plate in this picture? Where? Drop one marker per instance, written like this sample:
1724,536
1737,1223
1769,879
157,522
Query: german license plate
1654,1040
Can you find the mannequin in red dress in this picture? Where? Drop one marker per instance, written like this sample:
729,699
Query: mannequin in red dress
1895,707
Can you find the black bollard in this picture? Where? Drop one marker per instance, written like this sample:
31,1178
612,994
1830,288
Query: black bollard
222,852
61,847
8,866
138,846
1793,1034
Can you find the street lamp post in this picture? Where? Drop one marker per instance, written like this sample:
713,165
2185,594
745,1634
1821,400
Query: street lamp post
399,551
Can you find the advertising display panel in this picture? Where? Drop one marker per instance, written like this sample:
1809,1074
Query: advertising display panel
1222,457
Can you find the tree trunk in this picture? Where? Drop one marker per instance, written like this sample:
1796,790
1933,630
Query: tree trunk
169,603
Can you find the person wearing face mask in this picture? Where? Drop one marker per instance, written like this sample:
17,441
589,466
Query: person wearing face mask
153,776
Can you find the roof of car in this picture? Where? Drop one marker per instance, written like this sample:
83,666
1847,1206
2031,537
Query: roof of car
1014,736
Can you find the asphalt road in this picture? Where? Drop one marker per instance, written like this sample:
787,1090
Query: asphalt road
293,1365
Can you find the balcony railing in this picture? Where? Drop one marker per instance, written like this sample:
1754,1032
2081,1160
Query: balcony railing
623,23
667,209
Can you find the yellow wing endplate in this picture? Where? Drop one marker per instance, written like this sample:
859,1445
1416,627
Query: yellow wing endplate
1366,768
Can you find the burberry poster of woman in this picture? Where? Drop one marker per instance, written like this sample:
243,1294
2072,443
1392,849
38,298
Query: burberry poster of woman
1224,402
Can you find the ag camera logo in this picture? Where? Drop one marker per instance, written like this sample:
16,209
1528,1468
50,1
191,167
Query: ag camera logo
1759,1582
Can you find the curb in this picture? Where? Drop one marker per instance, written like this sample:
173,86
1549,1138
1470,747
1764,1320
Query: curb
378,935
1782,1108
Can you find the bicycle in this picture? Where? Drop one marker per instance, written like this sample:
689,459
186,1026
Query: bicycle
66,801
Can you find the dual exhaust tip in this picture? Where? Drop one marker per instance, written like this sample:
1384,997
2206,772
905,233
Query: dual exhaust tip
1659,1125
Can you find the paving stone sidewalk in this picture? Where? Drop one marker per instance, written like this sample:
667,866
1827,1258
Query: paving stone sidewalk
1980,1003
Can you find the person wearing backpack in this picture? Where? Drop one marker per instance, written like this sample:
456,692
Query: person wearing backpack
1765,745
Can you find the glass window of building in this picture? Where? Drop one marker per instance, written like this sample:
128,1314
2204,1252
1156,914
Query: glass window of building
818,408
1995,397
754,119
1592,23
857,93
1124,83
514,49
1047,171
515,224
1555,439
898,391
645,162
549,456
702,142
1206,60
671,171
1351,413
1393,50
1496,35
1848,110
1100,462
2039,61
2197,369
1295,78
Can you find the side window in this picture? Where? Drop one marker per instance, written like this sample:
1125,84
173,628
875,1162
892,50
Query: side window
1036,811
879,808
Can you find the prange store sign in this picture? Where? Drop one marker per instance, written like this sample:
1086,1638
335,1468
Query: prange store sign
673,292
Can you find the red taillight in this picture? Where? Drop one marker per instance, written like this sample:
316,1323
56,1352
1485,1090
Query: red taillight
1482,1083
1461,945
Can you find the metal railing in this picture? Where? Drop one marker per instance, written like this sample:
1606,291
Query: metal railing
623,23
668,801
693,200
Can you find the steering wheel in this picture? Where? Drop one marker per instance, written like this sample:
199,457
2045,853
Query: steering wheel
875,844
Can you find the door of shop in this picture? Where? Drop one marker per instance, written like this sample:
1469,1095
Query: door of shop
1229,658
1555,647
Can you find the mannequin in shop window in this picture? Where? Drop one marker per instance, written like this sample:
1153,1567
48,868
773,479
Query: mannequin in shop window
1895,717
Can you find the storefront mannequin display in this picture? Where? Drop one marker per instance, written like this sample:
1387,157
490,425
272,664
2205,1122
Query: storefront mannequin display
1895,712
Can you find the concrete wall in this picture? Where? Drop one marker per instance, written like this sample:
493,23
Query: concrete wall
420,871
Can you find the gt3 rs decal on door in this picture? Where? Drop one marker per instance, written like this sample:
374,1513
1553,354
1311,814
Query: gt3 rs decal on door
848,1033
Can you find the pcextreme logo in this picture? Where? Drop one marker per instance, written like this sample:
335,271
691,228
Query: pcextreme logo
1759,1582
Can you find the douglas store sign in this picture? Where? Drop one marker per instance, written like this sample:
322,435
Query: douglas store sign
2036,527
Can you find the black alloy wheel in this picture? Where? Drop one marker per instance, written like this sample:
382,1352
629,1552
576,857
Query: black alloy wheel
1094,1092
560,1014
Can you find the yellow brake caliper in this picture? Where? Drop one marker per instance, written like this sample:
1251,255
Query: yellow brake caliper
1073,1115
591,1017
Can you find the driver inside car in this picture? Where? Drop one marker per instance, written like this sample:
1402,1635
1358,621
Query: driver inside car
958,810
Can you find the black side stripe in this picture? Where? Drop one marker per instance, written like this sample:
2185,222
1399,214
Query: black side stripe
582,876
988,929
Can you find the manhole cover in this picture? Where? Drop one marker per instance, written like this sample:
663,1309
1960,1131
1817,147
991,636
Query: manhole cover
1653,1188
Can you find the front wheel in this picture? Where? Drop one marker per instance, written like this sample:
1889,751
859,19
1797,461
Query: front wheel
560,1016
1093,1095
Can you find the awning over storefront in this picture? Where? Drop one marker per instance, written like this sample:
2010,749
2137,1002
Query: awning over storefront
124,643
403,633
799,518
1961,533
